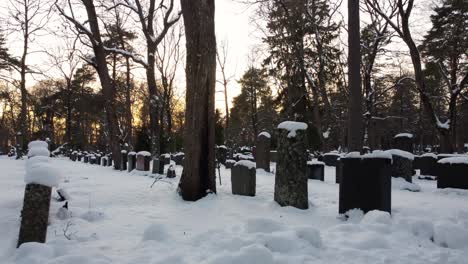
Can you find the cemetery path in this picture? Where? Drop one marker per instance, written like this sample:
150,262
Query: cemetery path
117,218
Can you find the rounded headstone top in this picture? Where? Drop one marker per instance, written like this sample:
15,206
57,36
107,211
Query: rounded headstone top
292,127
246,163
144,153
401,153
432,155
38,148
404,135
132,153
454,160
376,154
264,134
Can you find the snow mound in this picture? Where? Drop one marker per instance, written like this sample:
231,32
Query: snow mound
354,215
423,229
92,216
310,235
314,162
401,153
406,135
262,225
255,253
156,232
144,153
32,152
454,160
432,155
34,253
246,163
377,217
450,235
376,154
265,134
401,184
292,127
38,144
42,173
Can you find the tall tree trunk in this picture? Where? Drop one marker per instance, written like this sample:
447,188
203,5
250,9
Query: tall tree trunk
198,176
154,101
108,88
354,79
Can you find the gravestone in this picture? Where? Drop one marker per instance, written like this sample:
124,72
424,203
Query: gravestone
330,159
229,163
104,161
243,178
402,165
262,151
98,159
338,170
365,183
452,173
165,159
92,159
35,214
179,158
123,160
80,156
290,177
143,159
427,164
221,154
171,172
158,167
273,155
131,161
404,141
316,170
109,159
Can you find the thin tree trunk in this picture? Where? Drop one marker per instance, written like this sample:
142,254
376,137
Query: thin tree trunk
198,176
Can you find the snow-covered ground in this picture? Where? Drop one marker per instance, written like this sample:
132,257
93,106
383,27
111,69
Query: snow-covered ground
117,218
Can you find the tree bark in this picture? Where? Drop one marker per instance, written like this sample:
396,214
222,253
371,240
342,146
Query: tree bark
198,176
108,87
354,78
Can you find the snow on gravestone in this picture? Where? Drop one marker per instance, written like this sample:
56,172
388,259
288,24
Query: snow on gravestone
243,178
452,172
262,152
143,159
404,141
131,161
402,165
290,177
365,182
40,177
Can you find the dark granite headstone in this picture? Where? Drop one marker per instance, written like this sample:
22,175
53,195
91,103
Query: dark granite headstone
315,170
365,184
243,178
452,175
262,151
131,161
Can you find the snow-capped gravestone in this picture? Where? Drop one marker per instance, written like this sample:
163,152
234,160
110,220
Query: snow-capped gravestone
165,159
365,182
402,165
426,163
229,163
315,170
109,159
143,159
179,158
158,166
104,161
92,159
262,151
452,172
243,178
221,154
171,172
98,159
131,161
123,160
40,177
290,177
404,141
330,158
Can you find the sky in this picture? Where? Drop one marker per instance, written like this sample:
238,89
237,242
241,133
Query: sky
233,27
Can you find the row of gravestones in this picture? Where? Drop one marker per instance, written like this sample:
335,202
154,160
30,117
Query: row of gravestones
365,180
132,161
